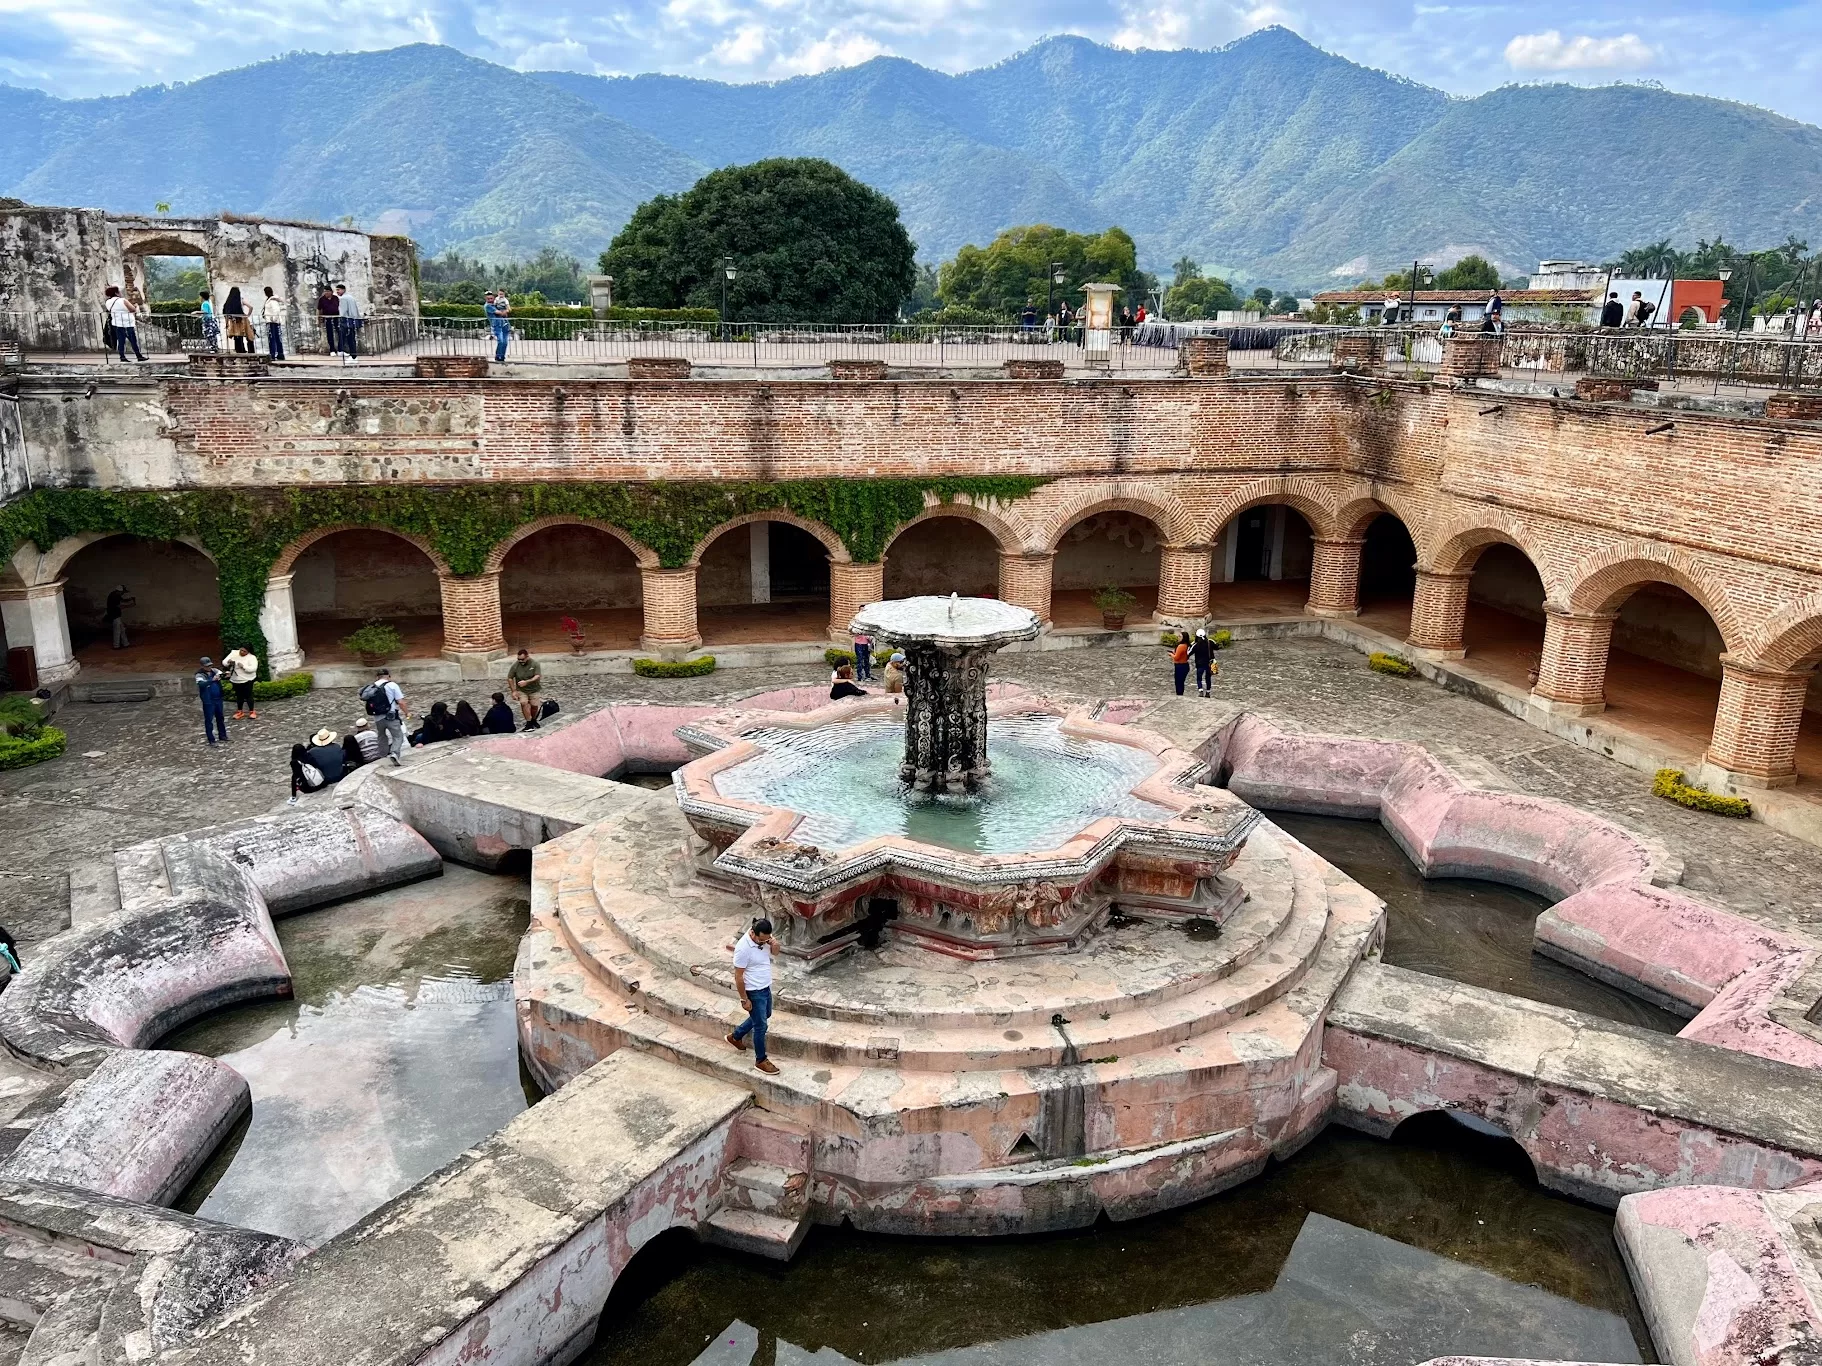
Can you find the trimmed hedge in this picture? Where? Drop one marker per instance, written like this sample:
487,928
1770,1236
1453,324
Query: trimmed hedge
1380,662
1222,639
21,752
291,685
1672,786
674,668
835,658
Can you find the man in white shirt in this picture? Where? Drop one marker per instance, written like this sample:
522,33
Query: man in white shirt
272,314
753,983
384,701
352,318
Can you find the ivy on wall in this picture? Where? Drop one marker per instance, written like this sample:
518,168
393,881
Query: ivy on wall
246,530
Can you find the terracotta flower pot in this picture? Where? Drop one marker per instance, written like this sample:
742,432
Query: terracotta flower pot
372,661
1113,621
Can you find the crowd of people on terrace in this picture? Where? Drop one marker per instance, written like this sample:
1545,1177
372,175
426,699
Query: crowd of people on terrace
339,314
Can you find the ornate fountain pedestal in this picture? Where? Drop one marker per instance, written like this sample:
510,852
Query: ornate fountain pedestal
947,642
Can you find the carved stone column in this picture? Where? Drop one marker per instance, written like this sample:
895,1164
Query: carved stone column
278,623
946,720
34,616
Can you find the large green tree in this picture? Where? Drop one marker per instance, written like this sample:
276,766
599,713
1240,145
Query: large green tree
1014,270
809,243
1471,272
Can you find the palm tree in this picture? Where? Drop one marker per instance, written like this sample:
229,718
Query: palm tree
1659,261
1186,270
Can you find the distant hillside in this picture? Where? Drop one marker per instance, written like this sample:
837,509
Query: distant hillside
1268,159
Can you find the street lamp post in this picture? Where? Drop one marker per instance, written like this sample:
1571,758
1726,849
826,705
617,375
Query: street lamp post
1050,292
727,273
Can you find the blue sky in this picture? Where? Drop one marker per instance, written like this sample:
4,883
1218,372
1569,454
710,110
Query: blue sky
1769,54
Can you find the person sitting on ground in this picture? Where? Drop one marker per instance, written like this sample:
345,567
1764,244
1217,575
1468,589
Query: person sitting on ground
318,766
842,685
895,672
438,726
523,680
368,740
499,717
352,754
466,722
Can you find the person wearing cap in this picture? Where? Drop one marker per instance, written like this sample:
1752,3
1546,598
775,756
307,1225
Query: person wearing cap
208,690
895,672
1202,653
385,704
753,984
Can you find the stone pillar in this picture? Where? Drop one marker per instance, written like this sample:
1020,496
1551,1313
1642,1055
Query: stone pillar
670,610
852,587
1335,578
759,560
34,616
945,719
1274,545
1025,582
471,616
1572,675
1755,726
1183,586
278,623
1439,614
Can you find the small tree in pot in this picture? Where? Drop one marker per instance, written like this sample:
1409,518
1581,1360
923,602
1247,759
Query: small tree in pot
375,642
1114,602
577,633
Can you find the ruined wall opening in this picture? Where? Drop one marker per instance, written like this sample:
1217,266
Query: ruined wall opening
170,612
576,572
364,574
1504,632
1114,548
764,581
1457,1131
1388,576
1261,563
943,555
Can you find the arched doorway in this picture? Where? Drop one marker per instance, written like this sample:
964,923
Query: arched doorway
576,571
943,555
1504,630
763,581
365,574
171,609
1111,548
1388,576
1261,564
1664,666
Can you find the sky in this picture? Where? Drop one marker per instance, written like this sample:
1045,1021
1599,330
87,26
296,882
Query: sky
1764,53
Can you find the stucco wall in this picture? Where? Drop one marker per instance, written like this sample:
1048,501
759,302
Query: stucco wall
363,574
173,584
1109,547
943,555
566,569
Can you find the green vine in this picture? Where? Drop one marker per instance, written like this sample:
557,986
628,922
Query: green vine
246,530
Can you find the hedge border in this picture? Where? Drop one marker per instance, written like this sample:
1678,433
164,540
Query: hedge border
675,668
15,752
1383,663
1673,786
287,685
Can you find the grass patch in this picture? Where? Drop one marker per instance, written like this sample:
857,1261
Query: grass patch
1381,663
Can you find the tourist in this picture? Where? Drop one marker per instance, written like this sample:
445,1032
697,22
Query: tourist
272,314
9,948
523,680
1028,321
317,767
328,317
753,984
1613,312
841,685
242,666
1632,309
124,320
466,722
498,309
114,615
1179,658
863,656
353,756
437,727
1202,653
498,720
240,326
350,311
895,673
1388,316
368,741
208,692
385,704
1496,310
211,326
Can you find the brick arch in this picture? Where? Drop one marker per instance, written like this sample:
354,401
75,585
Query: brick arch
1351,523
1792,638
1012,540
496,559
1458,544
288,556
838,552
1306,496
1604,582
1175,523
52,562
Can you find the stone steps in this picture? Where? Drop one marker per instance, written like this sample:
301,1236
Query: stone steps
765,1187
759,1235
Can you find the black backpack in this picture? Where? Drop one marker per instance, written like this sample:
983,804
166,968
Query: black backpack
373,696
1645,312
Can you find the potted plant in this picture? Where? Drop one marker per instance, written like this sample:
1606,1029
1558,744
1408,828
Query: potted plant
1114,603
577,633
375,642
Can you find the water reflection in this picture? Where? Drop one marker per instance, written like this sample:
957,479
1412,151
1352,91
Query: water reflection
399,1050
1463,929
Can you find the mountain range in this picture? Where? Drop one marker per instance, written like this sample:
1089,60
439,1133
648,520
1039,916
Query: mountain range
1269,160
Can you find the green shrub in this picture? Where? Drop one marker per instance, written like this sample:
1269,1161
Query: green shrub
376,639
835,658
22,752
1223,639
291,685
1672,786
1168,639
1380,662
674,668
1112,599
19,715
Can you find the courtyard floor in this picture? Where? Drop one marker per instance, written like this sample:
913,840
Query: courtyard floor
137,770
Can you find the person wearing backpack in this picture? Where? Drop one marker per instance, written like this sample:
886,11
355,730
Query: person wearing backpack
385,704
1202,654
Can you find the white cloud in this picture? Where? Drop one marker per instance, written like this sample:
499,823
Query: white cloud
1169,24
567,55
1550,51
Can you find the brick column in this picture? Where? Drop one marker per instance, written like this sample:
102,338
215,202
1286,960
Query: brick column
670,610
1439,612
851,587
278,623
1025,582
1755,726
1471,357
34,616
1335,578
1573,672
471,616
1183,585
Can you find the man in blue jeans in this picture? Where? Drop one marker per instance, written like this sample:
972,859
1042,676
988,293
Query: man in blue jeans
498,310
208,689
753,984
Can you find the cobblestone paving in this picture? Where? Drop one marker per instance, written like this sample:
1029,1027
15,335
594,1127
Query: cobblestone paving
134,771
